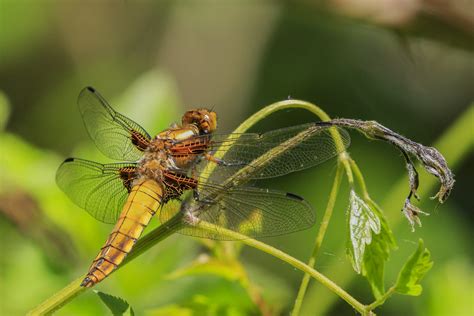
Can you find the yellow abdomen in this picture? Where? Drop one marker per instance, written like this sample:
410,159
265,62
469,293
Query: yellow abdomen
143,201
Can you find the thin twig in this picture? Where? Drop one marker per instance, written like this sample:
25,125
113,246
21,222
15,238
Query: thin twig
319,240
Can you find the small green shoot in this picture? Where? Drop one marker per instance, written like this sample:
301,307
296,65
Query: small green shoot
408,281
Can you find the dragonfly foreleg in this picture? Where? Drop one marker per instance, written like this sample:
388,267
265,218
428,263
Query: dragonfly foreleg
222,162
197,198
196,195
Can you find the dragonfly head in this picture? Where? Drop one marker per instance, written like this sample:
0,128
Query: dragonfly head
204,119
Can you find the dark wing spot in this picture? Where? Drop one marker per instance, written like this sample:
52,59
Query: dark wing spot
139,140
127,175
294,196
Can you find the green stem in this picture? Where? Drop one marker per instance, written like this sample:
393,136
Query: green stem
360,179
298,104
361,308
455,144
381,300
344,158
59,299
74,289
68,293
319,240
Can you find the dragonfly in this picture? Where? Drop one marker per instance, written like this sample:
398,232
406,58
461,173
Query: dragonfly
189,158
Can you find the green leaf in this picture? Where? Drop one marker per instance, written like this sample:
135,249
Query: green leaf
413,271
229,270
377,253
117,305
362,222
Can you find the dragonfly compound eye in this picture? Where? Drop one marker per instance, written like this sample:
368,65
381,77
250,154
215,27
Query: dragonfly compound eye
204,119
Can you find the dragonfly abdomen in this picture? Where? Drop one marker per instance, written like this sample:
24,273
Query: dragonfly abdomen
143,201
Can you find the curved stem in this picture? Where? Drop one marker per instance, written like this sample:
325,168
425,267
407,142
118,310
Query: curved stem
381,300
74,289
361,308
456,145
319,239
360,179
293,104
344,159
298,104
59,299
68,293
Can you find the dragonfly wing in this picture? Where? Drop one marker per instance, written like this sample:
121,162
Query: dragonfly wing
100,189
250,211
298,147
116,136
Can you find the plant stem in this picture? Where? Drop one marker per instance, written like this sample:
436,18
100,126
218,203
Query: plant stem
381,300
361,308
360,179
68,293
298,104
455,144
344,159
319,239
74,289
59,299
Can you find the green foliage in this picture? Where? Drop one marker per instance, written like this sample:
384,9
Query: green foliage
55,49
370,240
413,271
377,253
118,306
362,223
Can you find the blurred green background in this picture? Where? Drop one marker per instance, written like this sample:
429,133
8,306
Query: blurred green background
408,65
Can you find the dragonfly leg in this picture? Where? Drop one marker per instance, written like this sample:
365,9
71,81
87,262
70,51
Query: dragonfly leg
197,198
222,162
195,195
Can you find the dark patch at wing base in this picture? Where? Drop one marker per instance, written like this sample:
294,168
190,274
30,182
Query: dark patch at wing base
100,189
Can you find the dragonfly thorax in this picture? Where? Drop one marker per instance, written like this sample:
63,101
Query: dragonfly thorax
152,164
183,145
177,134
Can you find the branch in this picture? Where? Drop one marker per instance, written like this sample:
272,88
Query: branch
361,308
74,289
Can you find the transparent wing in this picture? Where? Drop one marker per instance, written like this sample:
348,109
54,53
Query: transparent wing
250,211
301,147
116,136
99,189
